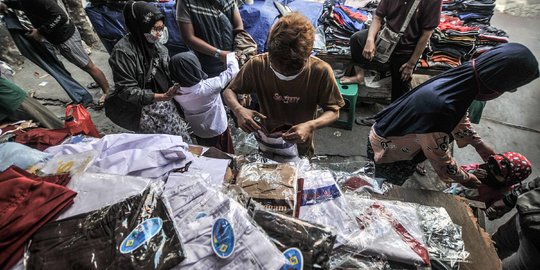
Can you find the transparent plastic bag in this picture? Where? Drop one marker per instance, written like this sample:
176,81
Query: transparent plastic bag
135,233
272,185
444,238
345,258
95,191
321,201
71,163
390,228
239,244
20,155
364,167
315,242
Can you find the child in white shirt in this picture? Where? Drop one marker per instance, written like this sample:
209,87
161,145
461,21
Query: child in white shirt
200,99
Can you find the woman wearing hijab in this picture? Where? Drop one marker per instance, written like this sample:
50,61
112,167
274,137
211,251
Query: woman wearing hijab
424,122
200,99
141,99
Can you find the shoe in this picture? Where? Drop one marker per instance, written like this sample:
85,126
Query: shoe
92,85
364,121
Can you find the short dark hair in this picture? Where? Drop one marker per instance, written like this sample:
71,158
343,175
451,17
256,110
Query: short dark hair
290,42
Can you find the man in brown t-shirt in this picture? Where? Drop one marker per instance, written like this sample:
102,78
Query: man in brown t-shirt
407,51
289,84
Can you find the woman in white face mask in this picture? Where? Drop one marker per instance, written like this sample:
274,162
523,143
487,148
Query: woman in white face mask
290,84
141,100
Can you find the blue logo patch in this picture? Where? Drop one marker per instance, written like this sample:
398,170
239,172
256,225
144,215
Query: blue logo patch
141,234
294,258
223,238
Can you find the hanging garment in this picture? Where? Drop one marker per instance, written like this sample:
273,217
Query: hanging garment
40,55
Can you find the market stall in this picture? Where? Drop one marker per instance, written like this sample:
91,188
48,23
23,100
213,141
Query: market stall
155,202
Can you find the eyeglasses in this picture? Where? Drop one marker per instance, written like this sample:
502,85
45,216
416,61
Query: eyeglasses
158,29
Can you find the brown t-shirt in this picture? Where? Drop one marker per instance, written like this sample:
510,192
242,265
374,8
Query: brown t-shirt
289,102
426,17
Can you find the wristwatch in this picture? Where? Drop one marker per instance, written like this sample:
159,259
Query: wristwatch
218,53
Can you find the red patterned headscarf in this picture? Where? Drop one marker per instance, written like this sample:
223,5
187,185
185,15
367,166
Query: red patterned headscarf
514,166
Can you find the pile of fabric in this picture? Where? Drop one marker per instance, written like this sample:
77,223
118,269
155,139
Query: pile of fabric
468,11
340,22
155,202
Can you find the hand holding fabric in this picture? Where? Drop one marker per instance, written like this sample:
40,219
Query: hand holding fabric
246,119
480,173
167,95
299,133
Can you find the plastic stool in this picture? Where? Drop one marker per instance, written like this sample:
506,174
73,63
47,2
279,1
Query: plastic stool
350,95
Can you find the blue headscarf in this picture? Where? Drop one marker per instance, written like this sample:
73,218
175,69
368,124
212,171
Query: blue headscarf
440,103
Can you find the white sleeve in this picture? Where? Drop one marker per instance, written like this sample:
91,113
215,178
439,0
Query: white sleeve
218,83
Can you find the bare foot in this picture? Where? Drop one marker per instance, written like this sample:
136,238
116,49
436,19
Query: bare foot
353,79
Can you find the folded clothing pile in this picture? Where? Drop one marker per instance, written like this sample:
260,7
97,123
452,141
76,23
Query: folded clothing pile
340,23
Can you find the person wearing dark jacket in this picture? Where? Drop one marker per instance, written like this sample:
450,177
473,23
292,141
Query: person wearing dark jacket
518,240
54,26
141,99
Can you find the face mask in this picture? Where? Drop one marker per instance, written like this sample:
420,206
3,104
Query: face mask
283,77
152,37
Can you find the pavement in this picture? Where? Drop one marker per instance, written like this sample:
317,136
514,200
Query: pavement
509,123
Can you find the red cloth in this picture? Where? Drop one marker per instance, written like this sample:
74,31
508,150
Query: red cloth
41,138
27,202
520,166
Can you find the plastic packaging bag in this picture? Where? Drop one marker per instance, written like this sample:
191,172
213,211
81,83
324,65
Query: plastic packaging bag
390,228
72,163
343,258
78,121
444,238
218,232
321,201
314,242
20,155
272,185
135,233
95,191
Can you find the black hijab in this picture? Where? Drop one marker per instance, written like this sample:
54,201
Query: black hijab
186,69
441,102
140,17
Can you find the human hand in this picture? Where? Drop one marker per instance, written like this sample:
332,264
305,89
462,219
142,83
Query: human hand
406,71
484,151
244,100
369,50
473,182
299,133
246,119
497,210
480,173
34,33
223,55
167,95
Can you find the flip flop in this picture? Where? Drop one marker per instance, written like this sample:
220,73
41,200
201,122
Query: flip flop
365,121
92,85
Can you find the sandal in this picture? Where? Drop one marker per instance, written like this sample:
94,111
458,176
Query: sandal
365,121
92,85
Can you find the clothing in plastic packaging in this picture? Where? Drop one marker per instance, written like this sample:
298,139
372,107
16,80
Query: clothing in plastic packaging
272,185
146,155
314,241
71,163
95,191
390,228
20,155
137,233
196,208
321,201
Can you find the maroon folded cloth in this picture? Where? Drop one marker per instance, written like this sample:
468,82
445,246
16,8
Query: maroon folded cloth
27,202
41,138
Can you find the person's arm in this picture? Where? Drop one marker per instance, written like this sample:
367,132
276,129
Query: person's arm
123,66
408,68
197,44
214,85
245,117
237,19
369,48
55,14
504,205
436,148
464,134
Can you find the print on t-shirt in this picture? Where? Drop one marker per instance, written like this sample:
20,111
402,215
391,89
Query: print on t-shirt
286,99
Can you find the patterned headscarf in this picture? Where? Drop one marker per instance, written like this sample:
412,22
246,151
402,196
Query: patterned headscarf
514,166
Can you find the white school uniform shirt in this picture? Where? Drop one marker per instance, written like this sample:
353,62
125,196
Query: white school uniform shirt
202,104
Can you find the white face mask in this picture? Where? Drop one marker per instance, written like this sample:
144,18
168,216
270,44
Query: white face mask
152,36
285,78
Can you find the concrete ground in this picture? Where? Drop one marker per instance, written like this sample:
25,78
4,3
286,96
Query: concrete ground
510,123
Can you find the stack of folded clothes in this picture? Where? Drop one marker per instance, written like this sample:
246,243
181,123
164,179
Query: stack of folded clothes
470,10
340,23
